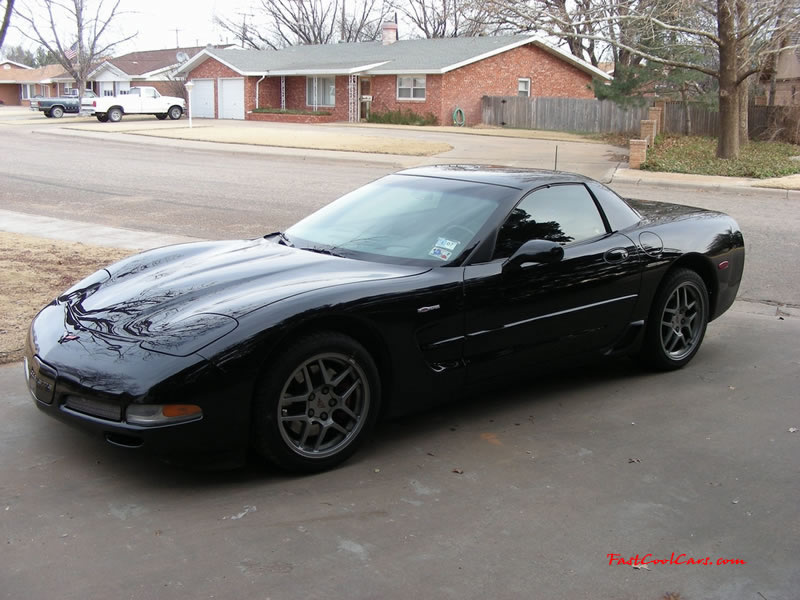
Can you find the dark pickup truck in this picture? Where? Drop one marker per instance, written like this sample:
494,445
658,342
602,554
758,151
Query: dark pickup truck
56,107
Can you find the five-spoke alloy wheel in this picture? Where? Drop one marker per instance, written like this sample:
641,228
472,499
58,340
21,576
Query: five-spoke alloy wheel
678,321
317,404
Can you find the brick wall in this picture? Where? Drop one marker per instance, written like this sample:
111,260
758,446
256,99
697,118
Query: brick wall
498,75
269,92
384,96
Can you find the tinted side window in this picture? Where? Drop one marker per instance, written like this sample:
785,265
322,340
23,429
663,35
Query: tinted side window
619,215
560,213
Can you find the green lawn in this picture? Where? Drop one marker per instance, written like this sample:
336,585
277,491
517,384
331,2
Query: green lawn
697,155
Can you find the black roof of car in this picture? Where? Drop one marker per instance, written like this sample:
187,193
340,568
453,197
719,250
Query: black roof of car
514,177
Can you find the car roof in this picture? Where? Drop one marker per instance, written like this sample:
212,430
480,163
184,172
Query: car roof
513,177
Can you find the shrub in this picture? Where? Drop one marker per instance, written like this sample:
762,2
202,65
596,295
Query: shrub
290,111
403,117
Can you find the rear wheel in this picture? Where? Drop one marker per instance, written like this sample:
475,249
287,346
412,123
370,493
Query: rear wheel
678,321
161,116
114,114
318,403
56,112
103,118
175,112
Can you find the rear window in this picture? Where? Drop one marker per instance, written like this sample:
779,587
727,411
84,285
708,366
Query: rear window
619,214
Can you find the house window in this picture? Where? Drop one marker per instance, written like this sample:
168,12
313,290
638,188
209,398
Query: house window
26,91
524,87
411,88
326,91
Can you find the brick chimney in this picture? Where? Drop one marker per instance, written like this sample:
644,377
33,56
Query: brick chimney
389,33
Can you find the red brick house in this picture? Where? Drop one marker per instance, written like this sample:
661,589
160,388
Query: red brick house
433,76
19,83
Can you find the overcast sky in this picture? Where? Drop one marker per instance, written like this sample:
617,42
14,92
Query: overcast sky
156,22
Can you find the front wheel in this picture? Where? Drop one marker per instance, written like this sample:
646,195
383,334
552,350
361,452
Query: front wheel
678,321
318,402
56,112
161,116
175,112
115,115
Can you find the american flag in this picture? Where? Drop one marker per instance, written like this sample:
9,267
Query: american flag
71,52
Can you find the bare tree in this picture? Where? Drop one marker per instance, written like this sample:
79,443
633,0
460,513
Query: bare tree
734,38
6,20
56,23
281,23
446,18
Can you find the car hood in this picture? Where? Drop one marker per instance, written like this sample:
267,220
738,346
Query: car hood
196,292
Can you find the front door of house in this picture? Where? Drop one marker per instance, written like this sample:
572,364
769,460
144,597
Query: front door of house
365,97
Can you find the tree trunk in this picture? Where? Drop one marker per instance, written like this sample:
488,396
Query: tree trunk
744,114
728,139
6,21
687,113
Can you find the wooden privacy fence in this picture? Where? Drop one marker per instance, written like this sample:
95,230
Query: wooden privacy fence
560,114
603,116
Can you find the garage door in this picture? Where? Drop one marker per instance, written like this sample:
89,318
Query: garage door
231,98
203,99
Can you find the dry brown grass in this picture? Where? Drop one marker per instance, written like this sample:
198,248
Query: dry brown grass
33,271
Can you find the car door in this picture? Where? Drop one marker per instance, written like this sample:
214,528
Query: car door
151,101
540,312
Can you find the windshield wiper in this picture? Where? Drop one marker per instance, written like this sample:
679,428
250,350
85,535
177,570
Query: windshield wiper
282,239
320,250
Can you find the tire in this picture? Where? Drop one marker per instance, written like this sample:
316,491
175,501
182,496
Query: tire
317,404
677,322
103,118
56,112
114,114
175,112
47,114
161,116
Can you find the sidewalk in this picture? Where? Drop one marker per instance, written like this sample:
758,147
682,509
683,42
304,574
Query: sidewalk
91,233
786,187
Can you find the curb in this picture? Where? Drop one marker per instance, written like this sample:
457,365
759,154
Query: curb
622,175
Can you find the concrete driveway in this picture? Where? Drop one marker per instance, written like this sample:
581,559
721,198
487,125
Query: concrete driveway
521,492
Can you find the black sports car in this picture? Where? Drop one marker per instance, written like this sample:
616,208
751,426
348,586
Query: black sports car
393,297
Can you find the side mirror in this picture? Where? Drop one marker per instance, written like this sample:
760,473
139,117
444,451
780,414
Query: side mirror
534,251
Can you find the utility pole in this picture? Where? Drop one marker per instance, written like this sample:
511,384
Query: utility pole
244,26
343,38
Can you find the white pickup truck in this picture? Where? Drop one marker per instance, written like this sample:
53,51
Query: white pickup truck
143,100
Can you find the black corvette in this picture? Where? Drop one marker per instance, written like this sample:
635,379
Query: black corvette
395,296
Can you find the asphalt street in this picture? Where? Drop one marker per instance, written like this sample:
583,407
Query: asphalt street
517,492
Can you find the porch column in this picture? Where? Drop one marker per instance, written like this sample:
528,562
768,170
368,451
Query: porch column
283,92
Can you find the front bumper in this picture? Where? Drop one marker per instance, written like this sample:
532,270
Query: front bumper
86,381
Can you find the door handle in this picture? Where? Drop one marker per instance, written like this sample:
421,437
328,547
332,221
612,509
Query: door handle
616,255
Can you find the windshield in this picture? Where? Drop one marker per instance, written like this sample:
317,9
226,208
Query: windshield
401,217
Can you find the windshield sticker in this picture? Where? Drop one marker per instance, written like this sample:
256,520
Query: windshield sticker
447,244
441,253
